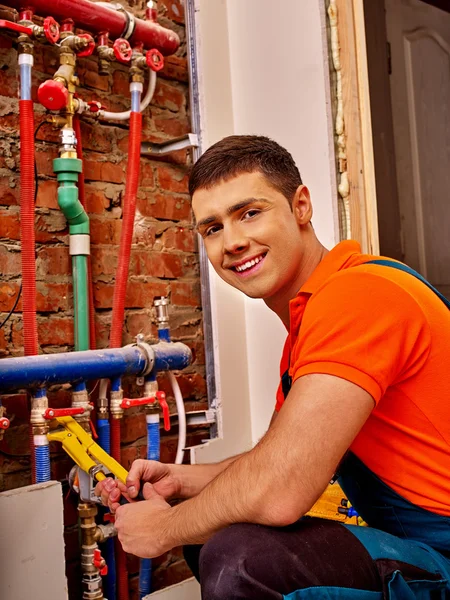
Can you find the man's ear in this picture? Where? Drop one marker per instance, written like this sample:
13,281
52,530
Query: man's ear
301,205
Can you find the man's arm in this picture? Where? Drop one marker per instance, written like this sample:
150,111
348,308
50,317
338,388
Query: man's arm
275,483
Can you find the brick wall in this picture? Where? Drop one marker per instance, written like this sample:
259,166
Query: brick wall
164,258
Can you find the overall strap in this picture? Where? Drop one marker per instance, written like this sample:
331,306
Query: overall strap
401,267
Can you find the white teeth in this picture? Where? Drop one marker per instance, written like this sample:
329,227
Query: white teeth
249,264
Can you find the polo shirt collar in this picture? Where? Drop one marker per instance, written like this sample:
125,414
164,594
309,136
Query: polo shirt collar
333,262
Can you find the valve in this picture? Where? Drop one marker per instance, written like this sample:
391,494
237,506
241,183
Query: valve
99,562
90,46
154,60
52,413
4,423
53,94
51,30
161,399
122,50
15,27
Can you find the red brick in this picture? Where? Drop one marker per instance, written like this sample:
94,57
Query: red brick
156,264
9,224
47,194
146,175
172,126
105,231
51,297
133,427
185,293
8,295
16,408
145,232
103,261
53,260
141,294
97,169
4,341
88,73
173,180
10,262
8,83
97,137
51,228
165,206
95,199
175,67
139,323
56,331
9,190
129,454
44,159
168,96
180,238
121,83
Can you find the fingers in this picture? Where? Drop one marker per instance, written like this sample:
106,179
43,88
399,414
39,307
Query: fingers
141,470
109,490
149,491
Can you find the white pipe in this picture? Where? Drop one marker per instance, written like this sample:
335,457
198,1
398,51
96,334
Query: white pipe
123,116
181,418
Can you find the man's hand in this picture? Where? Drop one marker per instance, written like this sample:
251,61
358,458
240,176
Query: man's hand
143,526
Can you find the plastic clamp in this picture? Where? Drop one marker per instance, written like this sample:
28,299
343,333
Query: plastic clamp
15,27
122,50
161,397
4,423
53,94
99,562
51,30
154,60
90,46
52,413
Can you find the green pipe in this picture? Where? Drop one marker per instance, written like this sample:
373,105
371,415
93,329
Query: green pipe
67,170
80,300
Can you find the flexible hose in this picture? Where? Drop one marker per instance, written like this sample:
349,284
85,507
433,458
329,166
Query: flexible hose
42,457
103,434
153,453
129,211
181,418
82,198
125,115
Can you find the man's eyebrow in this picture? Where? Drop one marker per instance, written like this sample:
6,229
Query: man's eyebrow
232,209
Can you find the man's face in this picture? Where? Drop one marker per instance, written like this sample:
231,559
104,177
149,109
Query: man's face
251,236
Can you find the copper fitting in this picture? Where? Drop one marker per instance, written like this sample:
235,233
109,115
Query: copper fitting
115,404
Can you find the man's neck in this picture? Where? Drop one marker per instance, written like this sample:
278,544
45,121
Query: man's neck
314,253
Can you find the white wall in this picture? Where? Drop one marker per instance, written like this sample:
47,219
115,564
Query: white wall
263,70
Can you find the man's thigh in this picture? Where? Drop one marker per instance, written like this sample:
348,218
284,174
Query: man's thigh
270,563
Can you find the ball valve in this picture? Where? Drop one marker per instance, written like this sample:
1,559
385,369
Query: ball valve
53,95
154,60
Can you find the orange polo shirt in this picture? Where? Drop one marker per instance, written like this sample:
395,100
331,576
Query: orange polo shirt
385,331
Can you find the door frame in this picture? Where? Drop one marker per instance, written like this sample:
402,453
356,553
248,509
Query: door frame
365,63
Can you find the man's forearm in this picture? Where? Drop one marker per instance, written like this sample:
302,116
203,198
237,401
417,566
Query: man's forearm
194,478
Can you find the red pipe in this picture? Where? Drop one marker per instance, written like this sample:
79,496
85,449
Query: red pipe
129,211
82,198
97,18
28,254
120,289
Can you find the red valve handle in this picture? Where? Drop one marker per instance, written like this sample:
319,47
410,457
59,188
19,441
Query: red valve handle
15,27
130,402
53,94
161,397
122,50
154,60
52,413
90,47
4,423
99,562
51,30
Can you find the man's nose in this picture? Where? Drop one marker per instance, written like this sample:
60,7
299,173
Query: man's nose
234,240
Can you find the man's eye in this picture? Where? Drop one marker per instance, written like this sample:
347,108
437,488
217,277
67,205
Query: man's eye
251,213
211,230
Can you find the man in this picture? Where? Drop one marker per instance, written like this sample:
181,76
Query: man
364,383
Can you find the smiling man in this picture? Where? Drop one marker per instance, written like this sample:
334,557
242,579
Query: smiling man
364,385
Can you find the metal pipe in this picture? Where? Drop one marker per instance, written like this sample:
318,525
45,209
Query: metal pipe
45,369
97,18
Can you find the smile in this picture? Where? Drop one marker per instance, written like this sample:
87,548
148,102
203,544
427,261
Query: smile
250,264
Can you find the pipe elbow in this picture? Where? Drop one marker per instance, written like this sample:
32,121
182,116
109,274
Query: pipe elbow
73,210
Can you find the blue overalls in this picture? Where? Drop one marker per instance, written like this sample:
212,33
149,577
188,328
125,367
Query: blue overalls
399,531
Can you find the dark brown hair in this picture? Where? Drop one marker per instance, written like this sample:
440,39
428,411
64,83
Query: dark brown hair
239,154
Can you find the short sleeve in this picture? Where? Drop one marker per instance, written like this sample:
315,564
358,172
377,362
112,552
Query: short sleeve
284,366
364,328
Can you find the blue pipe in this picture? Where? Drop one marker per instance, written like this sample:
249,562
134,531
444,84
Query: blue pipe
103,435
42,457
76,367
153,453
